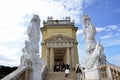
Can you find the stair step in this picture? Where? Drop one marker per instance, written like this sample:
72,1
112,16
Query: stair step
60,75
60,79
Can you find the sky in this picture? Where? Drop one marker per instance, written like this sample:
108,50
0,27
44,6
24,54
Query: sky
15,17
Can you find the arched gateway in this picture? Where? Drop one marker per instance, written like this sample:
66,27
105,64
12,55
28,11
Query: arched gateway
59,42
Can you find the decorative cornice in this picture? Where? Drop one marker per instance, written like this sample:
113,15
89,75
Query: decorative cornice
60,38
60,41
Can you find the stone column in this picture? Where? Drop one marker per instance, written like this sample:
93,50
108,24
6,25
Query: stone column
47,56
72,54
51,57
68,55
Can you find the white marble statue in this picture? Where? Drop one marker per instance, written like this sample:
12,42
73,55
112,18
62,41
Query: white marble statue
94,49
33,30
97,57
89,30
31,49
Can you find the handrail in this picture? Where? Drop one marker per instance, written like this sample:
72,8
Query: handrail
43,72
15,73
21,73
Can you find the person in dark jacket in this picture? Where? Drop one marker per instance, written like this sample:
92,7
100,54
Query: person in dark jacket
78,72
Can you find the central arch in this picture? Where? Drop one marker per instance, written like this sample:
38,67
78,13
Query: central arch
59,55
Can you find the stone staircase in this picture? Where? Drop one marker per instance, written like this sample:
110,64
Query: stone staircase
50,75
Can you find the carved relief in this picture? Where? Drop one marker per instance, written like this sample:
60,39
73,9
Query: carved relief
59,41
59,38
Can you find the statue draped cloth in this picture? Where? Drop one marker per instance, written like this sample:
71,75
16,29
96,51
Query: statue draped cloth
93,49
31,49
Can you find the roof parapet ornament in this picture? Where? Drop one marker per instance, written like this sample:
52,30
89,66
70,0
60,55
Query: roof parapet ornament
50,18
54,22
67,18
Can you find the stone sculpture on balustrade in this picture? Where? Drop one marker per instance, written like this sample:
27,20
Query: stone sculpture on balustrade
94,50
30,55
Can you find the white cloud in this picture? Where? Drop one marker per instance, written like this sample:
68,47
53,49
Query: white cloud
112,27
79,31
88,2
111,42
98,29
111,31
10,55
16,14
11,33
107,36
108,28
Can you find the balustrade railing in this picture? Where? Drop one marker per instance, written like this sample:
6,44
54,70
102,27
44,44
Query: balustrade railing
43,72
22,73
109,72
58,22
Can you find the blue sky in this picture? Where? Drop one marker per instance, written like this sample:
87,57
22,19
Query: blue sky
16,14
105,15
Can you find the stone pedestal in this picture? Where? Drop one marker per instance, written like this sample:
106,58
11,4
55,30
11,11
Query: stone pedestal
36,75
92,74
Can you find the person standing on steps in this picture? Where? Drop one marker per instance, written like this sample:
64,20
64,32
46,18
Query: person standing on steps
78,72
67,70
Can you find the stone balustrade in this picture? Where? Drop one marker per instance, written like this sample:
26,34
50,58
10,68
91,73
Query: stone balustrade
43,72
58,22
109,72
22,73
83,74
